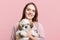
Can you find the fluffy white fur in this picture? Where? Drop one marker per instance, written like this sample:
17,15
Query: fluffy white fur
26,27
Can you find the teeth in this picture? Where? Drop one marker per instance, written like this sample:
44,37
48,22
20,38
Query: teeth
30,14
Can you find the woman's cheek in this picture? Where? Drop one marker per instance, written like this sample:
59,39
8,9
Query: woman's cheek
26,13
29,17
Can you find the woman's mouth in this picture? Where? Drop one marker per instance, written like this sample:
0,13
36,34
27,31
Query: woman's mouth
30,14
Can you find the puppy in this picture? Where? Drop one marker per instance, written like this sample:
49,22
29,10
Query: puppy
24,25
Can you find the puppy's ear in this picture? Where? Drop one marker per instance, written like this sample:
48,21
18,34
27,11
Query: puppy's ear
19,27
31,24
30,39
18,36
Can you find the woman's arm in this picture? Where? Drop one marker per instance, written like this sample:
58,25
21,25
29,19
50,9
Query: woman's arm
41,32
30,36
13,34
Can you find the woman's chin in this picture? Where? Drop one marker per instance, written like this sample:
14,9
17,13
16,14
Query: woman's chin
29,18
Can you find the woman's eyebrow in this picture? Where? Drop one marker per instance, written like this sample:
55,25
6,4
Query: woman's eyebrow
28,8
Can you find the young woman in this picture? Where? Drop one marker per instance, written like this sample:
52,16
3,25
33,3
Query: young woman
30,12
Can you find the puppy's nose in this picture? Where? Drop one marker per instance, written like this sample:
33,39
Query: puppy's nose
25,26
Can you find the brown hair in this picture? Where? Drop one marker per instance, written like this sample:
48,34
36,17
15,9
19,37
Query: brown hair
35,19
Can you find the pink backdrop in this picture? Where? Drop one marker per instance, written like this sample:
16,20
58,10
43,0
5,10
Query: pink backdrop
49,16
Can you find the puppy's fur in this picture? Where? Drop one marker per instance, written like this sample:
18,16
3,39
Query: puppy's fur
23,26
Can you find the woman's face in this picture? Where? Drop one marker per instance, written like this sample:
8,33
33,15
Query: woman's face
30,11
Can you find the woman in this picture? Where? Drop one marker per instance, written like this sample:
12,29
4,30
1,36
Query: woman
30,12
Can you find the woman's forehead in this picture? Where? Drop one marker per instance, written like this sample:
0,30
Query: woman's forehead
31,6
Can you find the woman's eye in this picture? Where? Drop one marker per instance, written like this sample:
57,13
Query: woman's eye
33,10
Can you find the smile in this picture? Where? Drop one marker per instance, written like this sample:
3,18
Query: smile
29,14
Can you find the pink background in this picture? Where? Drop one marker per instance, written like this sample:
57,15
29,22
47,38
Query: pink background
49,16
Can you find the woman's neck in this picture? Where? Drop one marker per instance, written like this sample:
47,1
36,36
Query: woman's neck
30,20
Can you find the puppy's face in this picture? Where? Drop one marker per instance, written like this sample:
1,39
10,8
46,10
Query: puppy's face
25,24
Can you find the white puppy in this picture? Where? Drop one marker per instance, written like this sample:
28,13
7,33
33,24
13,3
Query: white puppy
25,25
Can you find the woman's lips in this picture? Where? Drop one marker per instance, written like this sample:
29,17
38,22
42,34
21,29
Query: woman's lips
29,14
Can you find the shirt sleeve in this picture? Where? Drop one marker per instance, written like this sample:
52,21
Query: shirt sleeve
13,34
41,32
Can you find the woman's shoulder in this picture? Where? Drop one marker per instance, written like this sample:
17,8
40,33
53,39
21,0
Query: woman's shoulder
15,25
40,29
38,23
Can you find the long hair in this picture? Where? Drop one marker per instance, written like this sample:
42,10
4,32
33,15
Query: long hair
35,19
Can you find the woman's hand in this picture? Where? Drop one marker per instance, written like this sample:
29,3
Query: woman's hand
30,35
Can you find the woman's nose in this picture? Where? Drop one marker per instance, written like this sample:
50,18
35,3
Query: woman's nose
31,11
